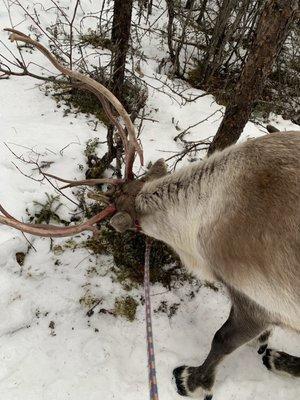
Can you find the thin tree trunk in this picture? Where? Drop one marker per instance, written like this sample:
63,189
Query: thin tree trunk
189,4
150,7
120,39
148,4
272,29
202,11
171,17
217,42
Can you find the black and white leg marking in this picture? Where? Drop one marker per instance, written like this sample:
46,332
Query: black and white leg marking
245,322
263,340
184,382
282,363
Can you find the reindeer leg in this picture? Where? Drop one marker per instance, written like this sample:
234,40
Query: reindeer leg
282,363
262,341
246,321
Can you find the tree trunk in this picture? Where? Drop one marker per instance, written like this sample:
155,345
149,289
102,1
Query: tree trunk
189,4
202,11
171,17
217,43
120,38
150,7
146,5
272,29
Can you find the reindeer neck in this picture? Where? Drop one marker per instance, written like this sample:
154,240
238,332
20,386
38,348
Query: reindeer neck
170,208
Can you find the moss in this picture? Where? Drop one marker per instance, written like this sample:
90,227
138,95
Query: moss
262,110
48,211
97,270
124,277
57,249
96,245
91,147
88,300
77,100
95,39
195,75
70,244
20,258
126,307
96,165
86,103
128,251
165,308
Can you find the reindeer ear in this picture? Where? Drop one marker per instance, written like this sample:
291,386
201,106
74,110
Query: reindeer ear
122,221
157,170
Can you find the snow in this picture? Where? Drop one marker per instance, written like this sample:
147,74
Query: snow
102,357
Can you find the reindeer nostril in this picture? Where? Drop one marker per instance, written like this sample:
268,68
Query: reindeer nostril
122,221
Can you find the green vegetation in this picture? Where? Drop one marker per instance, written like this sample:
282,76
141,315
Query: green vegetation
94,39
126,307
47,211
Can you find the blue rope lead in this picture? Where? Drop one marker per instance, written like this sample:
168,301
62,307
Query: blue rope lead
149,331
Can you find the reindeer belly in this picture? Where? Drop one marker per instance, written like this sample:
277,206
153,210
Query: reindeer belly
270,279
279,300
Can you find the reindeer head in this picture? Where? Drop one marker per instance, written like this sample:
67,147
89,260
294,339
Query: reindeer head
120,199
125,195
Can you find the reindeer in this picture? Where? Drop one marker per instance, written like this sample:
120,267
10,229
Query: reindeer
233,218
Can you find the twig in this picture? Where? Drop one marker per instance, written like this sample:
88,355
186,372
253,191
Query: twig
185,131
39,168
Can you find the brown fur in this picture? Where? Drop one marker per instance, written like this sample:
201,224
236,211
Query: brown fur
235,217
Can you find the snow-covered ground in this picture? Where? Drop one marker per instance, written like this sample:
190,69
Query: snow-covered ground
49,348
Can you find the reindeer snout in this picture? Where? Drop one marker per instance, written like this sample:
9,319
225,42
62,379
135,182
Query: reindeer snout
122,221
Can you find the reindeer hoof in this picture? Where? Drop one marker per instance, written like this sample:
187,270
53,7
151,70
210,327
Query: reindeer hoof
282,363
182,376
262,349
179,375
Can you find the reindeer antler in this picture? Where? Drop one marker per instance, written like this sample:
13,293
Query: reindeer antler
52,230
130,143
128,136
85,182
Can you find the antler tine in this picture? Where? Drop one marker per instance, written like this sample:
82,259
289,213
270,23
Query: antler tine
55,231
7,215
84,182
129,148
131,144
110,115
